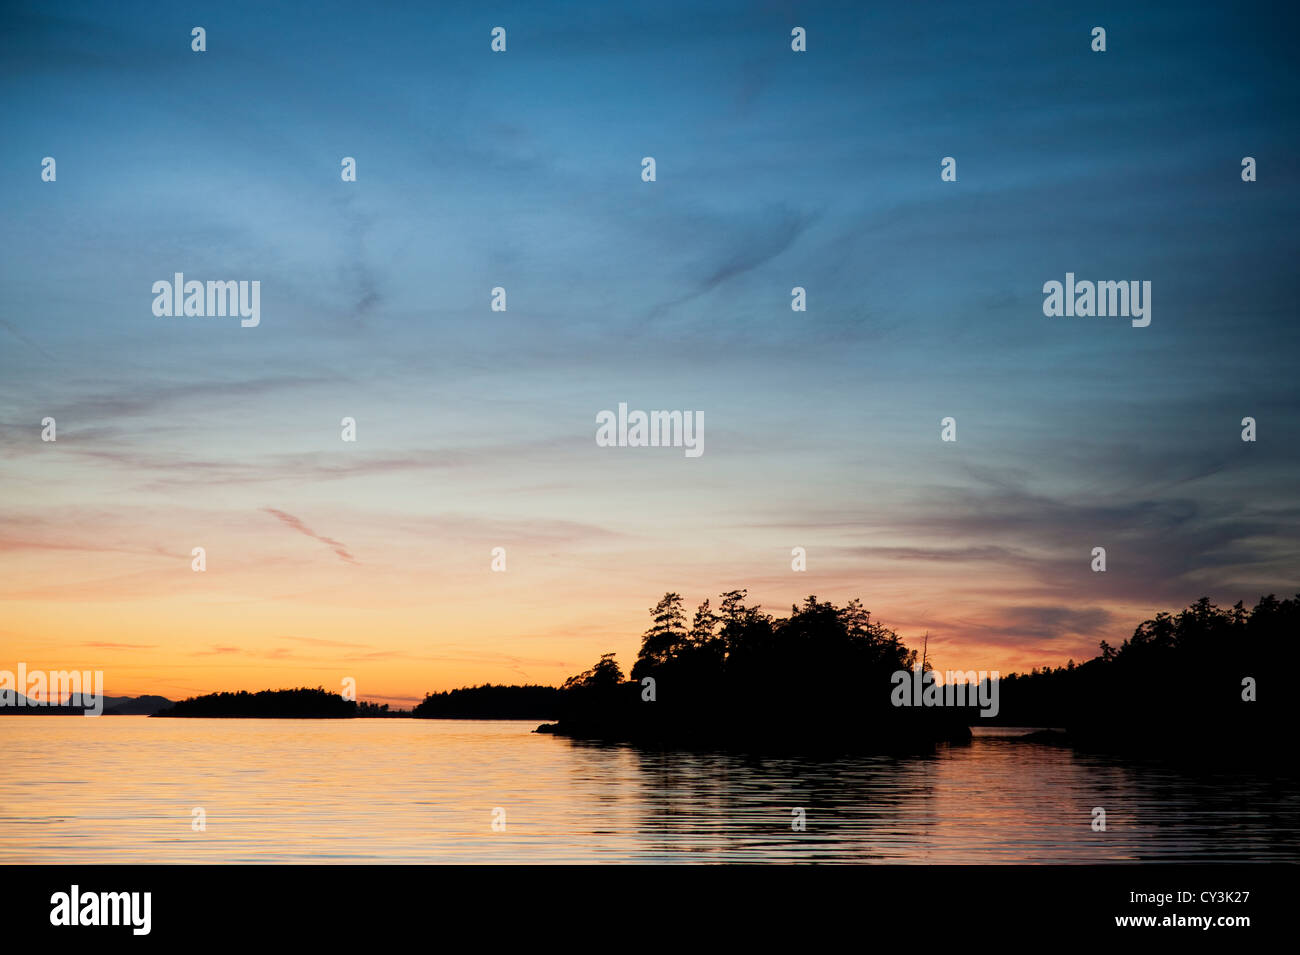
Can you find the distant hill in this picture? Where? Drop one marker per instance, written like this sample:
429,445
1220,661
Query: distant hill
13,703
113,706
135,705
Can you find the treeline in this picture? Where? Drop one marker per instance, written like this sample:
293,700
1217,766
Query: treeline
816,679
300,703
1207,678
478,702
488,702
369,710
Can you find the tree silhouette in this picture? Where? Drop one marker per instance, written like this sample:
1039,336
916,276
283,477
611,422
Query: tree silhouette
819,676
667,637
604,675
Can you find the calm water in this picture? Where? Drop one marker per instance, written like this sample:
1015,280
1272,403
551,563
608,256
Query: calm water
122,789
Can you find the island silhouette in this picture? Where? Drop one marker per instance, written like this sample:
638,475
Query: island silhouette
1206,680
817,679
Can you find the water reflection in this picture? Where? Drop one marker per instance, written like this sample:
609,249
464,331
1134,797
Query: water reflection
996,800
122,789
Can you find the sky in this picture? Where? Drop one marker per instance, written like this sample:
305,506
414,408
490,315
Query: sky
475,428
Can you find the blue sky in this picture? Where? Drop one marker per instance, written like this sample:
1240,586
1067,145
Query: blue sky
522,170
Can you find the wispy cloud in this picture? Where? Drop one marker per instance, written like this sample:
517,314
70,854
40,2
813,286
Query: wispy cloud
746,246
290,521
